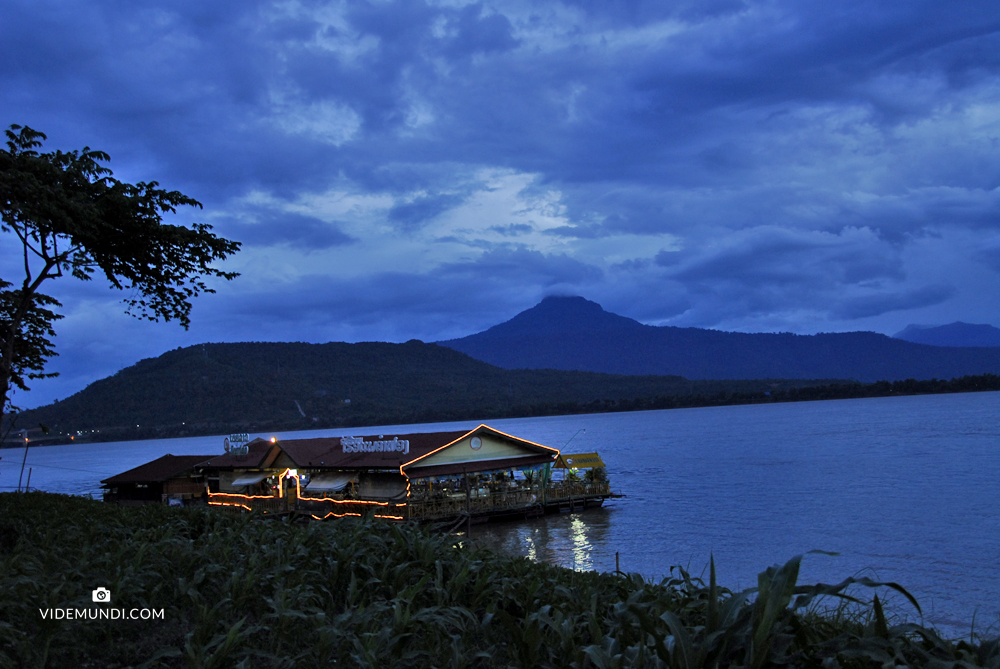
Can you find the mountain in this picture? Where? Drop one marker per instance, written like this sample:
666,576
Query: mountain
218,388
953,334
572,333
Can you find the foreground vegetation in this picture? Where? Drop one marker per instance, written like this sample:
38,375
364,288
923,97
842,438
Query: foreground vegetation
246,591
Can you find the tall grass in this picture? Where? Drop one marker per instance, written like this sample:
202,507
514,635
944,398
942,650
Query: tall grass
246,591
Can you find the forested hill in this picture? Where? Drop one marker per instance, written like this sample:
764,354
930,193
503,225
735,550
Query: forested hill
574,333
218,388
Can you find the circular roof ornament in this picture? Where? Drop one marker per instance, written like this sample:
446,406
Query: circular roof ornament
476,443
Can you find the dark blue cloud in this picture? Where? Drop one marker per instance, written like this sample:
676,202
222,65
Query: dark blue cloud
875,305
476,32
512,230
804,165
267,228
452,300
411,215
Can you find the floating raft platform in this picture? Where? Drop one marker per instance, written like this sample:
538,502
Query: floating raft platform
477,475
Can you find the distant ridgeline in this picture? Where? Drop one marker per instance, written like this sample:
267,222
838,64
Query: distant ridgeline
257,387
572,333
252,387
953,334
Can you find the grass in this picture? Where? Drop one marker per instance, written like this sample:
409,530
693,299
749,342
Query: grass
245,591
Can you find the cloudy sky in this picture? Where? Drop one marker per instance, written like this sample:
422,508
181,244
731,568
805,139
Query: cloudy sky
417,169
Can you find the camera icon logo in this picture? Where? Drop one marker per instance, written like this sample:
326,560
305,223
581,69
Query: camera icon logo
102,595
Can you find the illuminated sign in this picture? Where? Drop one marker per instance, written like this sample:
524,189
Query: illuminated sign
358,445
237,444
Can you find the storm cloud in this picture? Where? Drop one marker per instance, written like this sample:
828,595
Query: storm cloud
428,169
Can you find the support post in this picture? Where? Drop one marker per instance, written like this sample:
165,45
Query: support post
468,504
22,462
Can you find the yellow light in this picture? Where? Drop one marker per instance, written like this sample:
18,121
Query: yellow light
274,439
231,499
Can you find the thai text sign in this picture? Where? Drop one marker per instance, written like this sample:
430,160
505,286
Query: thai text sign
359,445
237,444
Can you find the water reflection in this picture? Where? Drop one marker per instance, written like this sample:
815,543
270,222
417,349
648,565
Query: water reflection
574,540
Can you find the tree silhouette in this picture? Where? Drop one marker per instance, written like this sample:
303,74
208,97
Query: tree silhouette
72,217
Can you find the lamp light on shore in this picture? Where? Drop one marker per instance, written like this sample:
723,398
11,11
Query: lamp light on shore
274,439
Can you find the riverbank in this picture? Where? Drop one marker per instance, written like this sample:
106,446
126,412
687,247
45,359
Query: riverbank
232,588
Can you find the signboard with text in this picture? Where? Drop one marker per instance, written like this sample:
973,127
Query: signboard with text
237,444
359,445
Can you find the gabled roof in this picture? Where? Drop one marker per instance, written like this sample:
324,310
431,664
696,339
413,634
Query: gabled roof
405,453
461,455
159,470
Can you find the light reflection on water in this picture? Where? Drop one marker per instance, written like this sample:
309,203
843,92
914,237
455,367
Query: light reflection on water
904,489
575,540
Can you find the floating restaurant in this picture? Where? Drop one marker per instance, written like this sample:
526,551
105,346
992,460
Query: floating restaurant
476,475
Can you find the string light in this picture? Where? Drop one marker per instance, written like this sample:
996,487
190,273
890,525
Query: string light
298,487
221,496
211,503
356,515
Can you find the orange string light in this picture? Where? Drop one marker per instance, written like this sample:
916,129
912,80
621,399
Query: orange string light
298,487
298,495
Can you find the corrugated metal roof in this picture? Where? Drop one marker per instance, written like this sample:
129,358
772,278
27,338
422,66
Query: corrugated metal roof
159,470
328,452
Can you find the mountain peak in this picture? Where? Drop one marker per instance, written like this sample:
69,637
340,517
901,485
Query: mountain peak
568,304
562,314
572,333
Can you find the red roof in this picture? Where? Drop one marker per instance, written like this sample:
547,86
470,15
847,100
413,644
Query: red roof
382,451
159,470
255,457
329,451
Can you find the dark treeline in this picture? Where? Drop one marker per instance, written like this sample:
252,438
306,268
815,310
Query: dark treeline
220,388
828,391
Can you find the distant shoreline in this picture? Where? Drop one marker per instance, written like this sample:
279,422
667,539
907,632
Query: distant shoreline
833,391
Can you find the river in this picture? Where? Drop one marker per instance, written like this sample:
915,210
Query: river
904,489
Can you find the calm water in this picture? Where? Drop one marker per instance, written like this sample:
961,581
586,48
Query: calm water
904,489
